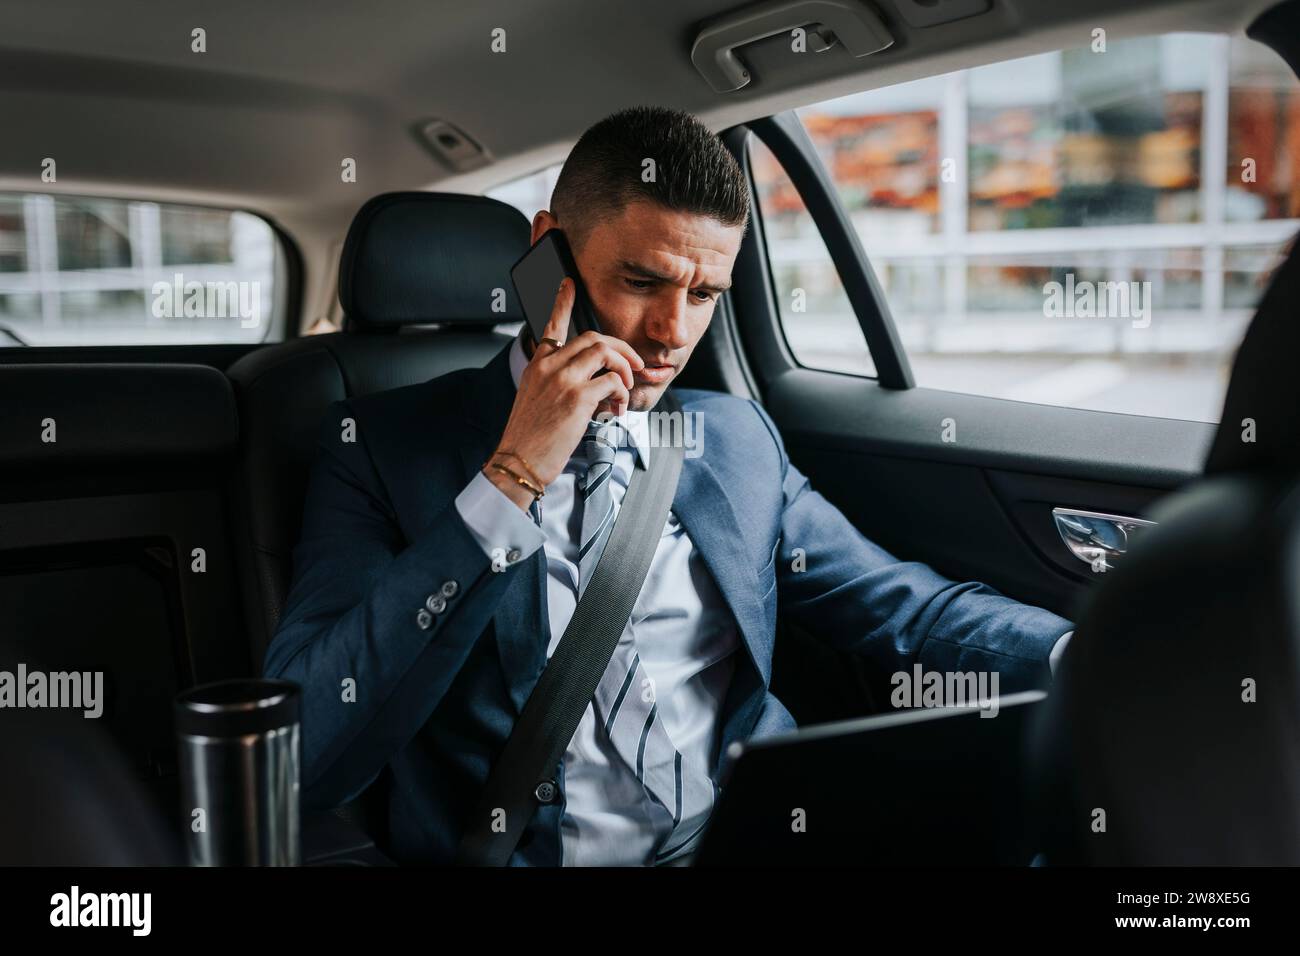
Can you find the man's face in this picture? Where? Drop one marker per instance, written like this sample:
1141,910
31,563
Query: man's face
654,277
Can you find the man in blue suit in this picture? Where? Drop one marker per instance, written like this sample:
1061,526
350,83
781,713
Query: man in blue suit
450,528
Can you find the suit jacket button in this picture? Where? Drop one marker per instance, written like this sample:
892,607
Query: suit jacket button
424,619
436,603
546,791
449,589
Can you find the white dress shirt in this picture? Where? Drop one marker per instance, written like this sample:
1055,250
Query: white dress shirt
681,627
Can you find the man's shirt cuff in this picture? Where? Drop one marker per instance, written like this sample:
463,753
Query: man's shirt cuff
1057,649
496,522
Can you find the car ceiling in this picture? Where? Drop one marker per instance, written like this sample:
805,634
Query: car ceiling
286,90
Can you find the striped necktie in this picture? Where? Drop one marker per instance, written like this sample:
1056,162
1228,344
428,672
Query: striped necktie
598,447
624,702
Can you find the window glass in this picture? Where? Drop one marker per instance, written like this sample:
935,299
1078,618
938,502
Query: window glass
92,271
819,323
1089,227
1263,178
530,193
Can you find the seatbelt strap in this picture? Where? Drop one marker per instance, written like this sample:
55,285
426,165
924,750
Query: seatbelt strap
554,708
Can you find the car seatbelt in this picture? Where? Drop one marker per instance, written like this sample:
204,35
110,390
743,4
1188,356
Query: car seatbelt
552,712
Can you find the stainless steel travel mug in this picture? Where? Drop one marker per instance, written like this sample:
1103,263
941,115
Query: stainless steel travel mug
240,754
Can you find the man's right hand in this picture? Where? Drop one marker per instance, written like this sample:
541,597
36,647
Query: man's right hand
558,397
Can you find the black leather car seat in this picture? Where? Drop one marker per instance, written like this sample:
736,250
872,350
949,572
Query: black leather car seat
410,259
1175,714
1174,720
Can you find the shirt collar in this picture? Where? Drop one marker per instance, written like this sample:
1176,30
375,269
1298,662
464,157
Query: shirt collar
637,424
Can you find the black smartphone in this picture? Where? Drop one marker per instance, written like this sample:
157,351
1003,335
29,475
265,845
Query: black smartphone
537,276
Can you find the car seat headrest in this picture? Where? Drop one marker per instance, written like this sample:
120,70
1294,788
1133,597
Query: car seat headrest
413,258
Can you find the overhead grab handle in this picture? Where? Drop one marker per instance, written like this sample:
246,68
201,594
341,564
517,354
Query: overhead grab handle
851,22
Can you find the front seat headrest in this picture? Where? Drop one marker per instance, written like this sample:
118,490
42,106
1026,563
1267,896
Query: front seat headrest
1263,387
416,258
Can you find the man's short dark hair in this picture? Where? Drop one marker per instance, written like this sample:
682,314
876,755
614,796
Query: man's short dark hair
693,172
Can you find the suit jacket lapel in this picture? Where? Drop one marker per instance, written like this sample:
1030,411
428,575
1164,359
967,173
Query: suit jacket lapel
705,510
521,625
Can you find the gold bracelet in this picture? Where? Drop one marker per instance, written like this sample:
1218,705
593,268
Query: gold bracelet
528,469
519,479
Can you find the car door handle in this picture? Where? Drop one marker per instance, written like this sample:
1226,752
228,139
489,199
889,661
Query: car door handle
1094,538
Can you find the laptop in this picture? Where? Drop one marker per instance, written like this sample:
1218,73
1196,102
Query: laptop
940,786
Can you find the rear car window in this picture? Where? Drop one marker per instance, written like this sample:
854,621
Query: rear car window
529,194
78,270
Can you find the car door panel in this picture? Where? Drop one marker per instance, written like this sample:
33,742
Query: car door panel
978,506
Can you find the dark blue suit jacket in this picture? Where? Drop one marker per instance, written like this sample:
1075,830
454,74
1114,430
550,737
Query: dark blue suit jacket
381,533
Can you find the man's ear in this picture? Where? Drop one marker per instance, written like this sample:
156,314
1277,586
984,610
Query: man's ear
543,222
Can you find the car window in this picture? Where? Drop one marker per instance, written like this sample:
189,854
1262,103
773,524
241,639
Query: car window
529,194
1090,227
97,271
817,318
